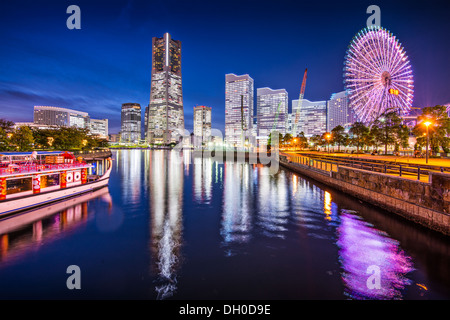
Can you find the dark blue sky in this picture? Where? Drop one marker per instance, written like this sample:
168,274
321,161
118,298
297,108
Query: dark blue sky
108,61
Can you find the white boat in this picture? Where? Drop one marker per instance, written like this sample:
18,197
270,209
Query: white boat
30,183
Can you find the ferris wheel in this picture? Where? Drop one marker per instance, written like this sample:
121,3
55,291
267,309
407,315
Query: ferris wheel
377,75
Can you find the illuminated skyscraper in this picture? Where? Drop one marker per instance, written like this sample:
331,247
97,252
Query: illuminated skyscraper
238,109
312,117
272,110
131,122
165,116
339,112
202,123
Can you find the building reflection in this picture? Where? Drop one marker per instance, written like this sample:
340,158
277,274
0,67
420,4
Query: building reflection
238,204
23,233
166,179
273,202
363,248
129,162
202,181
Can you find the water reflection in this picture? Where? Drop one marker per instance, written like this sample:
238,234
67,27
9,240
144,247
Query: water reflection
166,181
237,205
202,183
129,163
273,202
364,249
22,233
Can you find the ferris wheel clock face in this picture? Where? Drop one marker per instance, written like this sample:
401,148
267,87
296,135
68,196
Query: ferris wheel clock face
377,75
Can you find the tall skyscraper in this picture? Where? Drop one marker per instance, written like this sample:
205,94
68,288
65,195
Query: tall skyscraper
238,109
312,117
165,114
131,123
202,123
339,112
271,112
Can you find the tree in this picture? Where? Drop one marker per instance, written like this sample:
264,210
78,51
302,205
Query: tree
316,140
301,141
22,138
388,129
274,134
359,133
438,130
339,137
6,129
287,138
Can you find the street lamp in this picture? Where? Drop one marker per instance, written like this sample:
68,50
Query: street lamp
427,123
328,136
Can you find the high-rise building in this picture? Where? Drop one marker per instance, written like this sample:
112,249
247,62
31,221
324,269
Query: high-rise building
202,123
339,112
165,116
312,117
62,117
238,109
131,122
271,111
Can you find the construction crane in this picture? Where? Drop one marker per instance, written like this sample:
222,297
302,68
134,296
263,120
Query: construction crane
300,100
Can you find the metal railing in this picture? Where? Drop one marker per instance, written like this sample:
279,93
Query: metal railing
401,169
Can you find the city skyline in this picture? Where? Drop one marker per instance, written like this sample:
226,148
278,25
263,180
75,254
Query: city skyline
47,64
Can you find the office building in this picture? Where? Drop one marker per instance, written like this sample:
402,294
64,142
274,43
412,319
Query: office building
202,124
271,112
47,117
238,110
165,115
339,112
60,117
131,123
311,117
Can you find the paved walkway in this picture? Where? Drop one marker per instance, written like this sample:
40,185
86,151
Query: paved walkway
440,162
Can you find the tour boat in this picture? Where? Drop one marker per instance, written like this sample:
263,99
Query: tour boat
27,182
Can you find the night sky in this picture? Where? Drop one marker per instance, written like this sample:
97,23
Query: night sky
108,61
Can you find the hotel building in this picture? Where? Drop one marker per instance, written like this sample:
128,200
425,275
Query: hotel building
311,117
339,112
271,112
238,110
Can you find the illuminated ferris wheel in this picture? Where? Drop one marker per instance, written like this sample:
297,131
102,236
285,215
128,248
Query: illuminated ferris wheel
377,75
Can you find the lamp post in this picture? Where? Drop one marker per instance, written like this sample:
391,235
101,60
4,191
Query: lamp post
328,136
427,123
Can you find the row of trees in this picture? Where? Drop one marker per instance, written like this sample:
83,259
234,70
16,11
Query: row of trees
387,132
24,138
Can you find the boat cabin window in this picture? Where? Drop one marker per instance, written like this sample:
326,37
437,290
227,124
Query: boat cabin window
18,185
49,180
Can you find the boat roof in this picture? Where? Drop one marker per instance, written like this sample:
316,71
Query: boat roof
43,153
